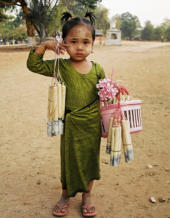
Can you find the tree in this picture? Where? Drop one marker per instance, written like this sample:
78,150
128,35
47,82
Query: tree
129,25
148,31
9,31
118,21
166,26
166,23
75,7
41,14
88,4
102,20
80,7
38,15
158,33
167,33
23,5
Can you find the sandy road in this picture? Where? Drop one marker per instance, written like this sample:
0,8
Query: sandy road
30,162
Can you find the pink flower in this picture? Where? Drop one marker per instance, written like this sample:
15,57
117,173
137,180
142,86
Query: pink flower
107,89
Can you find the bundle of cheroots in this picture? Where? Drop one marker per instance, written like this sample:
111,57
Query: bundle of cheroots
116,121
119,133
56,102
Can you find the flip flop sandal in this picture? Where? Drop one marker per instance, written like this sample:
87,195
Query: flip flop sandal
88,211
60,210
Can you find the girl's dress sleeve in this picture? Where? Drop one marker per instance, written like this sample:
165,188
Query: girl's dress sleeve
36,64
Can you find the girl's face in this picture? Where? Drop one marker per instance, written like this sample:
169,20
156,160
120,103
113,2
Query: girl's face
79,42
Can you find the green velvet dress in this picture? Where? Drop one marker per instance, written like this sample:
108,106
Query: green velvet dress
80,143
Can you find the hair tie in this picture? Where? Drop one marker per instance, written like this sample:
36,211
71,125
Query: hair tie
66,16
91,16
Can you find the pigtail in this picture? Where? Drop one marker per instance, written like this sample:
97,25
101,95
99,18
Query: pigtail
91,16
65,17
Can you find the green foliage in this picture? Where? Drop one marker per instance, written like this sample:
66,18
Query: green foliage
88,4
102,21
129,25
19,19
166,26
166,23
41,15
118,21
3,16
72,6
45,16
80,7
12,27
9,30
158,33
148,31
6,7
55,24
167,33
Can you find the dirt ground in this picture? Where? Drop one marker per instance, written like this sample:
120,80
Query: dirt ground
30,161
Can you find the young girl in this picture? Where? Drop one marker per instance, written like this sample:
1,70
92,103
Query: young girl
80,143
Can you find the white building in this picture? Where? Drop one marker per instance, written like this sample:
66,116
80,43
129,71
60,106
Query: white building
113,35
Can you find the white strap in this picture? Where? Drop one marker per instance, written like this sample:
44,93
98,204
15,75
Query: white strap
56,62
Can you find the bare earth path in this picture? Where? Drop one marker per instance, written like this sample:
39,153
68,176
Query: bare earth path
30,161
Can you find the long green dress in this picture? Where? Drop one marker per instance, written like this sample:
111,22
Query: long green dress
80,143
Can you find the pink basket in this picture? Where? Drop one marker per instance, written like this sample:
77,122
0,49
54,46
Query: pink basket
131,110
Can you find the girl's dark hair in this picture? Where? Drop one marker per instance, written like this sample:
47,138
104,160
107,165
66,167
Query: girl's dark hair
69,22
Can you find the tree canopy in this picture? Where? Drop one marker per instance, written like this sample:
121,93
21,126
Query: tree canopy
40,14
102,20
88,4
128,25
44,17
148,31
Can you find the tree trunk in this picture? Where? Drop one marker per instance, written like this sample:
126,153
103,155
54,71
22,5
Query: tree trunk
29,25
42,32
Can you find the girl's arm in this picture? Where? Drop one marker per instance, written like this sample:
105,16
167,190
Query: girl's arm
50,45
35,61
